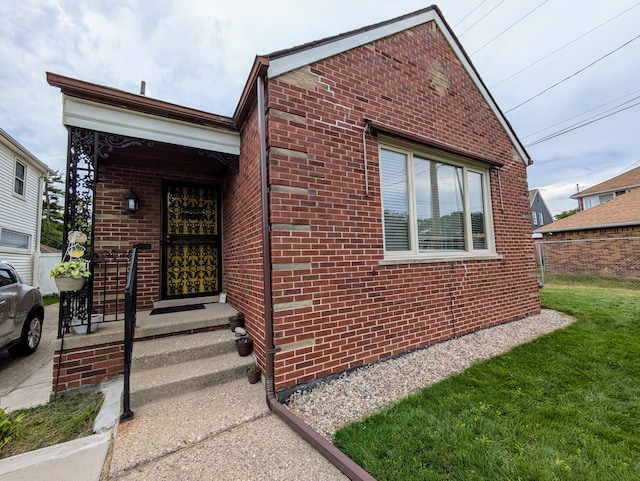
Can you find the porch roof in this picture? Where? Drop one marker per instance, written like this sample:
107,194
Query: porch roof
110,110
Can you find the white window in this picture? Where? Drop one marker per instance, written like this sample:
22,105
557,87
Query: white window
540,218
435,205
13,239
534,218
20,178
594,200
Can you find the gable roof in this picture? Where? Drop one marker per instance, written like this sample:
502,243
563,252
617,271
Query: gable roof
283,61
532,196
625,181
14,145
624,210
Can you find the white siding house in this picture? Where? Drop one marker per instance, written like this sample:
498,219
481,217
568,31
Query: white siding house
21,185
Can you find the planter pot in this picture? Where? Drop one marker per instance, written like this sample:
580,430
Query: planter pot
80,328
244,346
69,283
253,376
236,321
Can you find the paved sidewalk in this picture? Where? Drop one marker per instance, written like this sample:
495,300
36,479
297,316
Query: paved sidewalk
221,433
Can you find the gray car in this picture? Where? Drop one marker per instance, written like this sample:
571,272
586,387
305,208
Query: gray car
21,313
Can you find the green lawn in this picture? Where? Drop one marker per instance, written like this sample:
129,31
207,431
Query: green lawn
56,422
563,407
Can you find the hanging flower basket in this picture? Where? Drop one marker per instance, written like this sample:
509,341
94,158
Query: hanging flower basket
65,284
244,346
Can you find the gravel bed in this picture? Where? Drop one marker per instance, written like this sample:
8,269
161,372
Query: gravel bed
333,403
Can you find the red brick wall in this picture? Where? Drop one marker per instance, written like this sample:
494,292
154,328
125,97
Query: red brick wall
87,366
117,229
242,237
346,307
611,252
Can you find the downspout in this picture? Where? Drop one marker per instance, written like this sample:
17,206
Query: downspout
340,460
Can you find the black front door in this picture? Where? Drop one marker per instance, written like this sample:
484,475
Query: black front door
191,247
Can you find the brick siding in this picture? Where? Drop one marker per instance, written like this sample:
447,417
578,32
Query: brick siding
336,306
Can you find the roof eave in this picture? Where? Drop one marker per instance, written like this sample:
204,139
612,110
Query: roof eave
544,230
119,98
24,152
248,96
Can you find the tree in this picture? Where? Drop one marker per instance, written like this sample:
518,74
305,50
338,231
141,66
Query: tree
52,211
565,213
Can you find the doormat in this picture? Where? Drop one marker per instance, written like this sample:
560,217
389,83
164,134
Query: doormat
169,310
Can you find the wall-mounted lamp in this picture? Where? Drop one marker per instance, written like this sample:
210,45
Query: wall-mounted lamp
132,202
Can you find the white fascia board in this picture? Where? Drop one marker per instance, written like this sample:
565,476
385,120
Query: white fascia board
105,118
287,63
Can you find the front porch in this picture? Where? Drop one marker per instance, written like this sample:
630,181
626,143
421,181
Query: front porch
167,339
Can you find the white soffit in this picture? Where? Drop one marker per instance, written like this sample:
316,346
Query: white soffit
105,118
289,62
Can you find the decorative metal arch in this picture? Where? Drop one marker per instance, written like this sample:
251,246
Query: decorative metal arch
85,147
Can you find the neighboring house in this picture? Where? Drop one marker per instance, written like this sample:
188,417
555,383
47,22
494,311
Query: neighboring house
603,240
607,190
365,198
540,213
21,186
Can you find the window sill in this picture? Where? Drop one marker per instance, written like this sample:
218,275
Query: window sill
443,258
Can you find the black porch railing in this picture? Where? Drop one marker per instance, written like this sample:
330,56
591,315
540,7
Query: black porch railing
130,299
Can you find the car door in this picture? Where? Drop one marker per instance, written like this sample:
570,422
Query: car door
8,294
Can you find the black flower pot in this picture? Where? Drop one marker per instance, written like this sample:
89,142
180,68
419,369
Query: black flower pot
236,321
244,346
253,376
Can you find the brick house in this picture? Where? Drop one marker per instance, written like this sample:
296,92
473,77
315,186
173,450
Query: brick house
603,240
367,197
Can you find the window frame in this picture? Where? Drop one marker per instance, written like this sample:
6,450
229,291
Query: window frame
16,179
410,149
14,248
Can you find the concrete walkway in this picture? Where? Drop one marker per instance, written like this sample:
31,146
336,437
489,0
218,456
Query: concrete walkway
224,432
220,433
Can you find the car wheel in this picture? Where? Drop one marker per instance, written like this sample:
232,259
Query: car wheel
30,339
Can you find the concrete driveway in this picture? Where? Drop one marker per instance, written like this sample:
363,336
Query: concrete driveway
15,371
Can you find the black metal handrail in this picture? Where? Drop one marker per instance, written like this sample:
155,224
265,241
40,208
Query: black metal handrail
130,299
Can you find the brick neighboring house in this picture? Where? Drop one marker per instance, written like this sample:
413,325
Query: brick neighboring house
602,240
540,213
367,197
607,190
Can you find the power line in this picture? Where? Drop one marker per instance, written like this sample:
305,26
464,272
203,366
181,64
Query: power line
572,75
582,124
480,19
468,14
564,46
586,112
510,27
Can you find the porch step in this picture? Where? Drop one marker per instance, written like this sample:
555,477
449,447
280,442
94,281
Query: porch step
163,382
178,349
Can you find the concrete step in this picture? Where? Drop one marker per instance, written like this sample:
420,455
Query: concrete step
166,351
163,382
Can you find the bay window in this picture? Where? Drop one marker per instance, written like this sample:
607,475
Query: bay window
435,204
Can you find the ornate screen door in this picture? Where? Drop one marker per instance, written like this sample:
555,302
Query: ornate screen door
191,241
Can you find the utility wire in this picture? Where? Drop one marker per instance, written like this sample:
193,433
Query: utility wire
564,46
468,14
510,27
572,75
567,130
585,112
480,19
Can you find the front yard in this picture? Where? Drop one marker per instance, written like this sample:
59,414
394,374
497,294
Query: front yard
565,406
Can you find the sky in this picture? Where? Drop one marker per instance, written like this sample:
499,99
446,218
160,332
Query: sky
568,67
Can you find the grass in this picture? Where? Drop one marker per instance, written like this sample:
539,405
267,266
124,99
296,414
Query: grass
563,407
57,422
50,299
